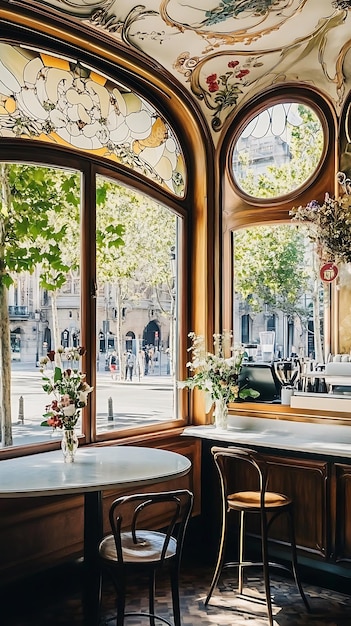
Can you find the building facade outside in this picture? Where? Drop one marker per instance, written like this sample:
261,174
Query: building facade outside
143,323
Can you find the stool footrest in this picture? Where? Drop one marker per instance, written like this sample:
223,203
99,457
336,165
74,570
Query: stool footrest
286,568
158,617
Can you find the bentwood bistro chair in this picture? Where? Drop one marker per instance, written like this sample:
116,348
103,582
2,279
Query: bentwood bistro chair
133,548
265,504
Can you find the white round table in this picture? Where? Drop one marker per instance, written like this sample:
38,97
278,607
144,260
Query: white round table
94,470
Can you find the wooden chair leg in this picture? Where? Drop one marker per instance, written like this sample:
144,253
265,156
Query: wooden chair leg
220,558
294,559
241,551
152,597
265,561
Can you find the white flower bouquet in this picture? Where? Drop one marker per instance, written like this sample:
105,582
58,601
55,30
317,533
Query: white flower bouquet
215,373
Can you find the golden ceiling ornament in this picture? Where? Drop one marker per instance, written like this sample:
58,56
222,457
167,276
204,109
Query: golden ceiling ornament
342,5
231,22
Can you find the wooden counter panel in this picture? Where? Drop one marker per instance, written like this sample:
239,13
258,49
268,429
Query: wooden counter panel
305,481
342,518
40,535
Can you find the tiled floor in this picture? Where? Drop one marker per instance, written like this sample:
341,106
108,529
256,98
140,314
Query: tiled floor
55,600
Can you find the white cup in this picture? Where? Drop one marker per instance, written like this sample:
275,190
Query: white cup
287,392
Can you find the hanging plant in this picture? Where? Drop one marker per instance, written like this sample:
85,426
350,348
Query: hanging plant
329,224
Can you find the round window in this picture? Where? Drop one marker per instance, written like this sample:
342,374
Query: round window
278,150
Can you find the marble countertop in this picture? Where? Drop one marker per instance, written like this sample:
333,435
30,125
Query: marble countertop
321,439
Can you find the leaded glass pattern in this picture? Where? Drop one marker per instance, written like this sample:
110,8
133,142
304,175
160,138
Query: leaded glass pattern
63,101
278,150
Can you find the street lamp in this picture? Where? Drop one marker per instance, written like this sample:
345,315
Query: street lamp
173,264
37,319
171,347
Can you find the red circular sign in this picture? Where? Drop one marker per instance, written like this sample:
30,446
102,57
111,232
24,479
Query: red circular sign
328,272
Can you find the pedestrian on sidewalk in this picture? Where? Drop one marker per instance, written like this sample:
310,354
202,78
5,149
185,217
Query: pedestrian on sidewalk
130,364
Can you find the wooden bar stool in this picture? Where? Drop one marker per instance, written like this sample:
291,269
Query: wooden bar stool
268,505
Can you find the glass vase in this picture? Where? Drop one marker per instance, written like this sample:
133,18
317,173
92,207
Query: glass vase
69,444
221,414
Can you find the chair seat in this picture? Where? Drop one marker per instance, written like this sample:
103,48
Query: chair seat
252,500
148,549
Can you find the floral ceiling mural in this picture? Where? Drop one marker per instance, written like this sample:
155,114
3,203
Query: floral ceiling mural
225,51
64,102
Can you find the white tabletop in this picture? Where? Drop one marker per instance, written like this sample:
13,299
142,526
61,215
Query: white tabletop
94,469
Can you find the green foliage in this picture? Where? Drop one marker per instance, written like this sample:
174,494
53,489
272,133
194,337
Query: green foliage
109,237
34,221
40,226
135,253
269,268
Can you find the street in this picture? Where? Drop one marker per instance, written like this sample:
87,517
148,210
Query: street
120,404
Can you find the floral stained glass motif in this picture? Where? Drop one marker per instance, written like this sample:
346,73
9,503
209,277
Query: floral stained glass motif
65,102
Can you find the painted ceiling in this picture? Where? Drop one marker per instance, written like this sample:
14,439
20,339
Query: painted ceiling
225,51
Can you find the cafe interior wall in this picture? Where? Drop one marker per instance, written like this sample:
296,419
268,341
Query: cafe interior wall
217,206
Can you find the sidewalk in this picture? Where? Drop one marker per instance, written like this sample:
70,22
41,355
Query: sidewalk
150,380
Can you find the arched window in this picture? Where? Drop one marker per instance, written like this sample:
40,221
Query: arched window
112,259
60,100
273,159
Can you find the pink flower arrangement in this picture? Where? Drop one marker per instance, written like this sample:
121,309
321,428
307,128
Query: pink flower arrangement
68,386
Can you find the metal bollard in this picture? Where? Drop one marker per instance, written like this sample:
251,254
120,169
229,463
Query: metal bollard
21,410
110,410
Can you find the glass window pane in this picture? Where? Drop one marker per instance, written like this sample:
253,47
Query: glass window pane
279,297
278,150
136,309
43,297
